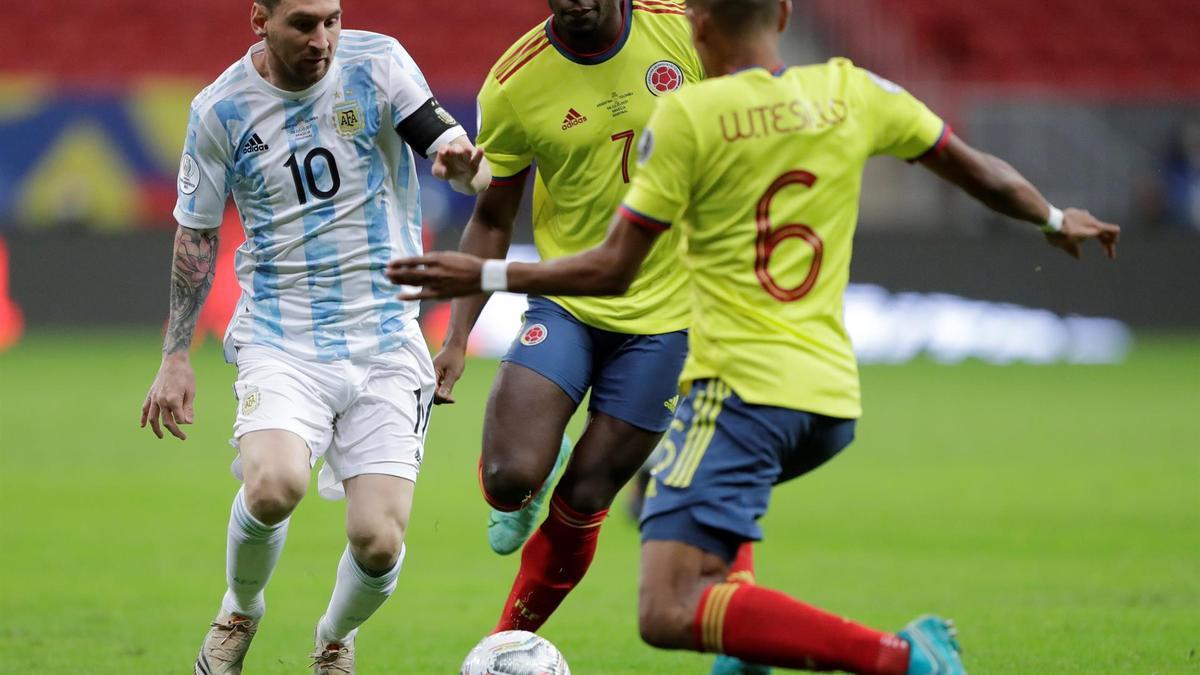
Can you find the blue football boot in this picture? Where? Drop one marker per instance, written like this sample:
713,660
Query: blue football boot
732,665
932,647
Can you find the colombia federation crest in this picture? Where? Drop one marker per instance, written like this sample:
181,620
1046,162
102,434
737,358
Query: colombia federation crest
663,77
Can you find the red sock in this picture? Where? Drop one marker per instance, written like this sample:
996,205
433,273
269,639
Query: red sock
554,560
759,625
741,571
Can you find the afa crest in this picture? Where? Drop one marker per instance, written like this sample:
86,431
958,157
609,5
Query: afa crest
251,400
348,118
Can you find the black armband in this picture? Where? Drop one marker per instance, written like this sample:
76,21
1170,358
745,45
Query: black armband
425,125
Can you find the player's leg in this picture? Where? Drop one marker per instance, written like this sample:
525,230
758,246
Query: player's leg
523,427
275,467
280,418
724,457
665,352
275,470
634,397
377,512
557,556
741,571
374,459
633,392
544,376
684,603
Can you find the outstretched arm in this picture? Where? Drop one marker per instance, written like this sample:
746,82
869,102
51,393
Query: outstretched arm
463,166
487,235
170,397
608,269
1000,187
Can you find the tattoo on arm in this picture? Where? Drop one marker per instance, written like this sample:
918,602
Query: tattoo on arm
191,278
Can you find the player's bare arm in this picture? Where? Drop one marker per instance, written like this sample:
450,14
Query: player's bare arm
1000,187
608,269
487,235
463,166
169,402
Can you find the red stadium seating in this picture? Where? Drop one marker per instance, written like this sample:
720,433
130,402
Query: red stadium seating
112,41
1112,48
1124,48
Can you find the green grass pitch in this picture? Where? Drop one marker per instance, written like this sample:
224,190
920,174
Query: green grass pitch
1053,511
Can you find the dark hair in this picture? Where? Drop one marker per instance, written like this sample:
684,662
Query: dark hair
738,17
268,5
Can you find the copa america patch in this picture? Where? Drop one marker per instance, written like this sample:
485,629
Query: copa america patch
664,77
645,146
189,174
534,335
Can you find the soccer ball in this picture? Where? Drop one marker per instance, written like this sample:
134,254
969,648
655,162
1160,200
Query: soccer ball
515,652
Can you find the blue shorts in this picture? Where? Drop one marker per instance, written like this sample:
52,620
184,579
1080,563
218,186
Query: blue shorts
634,378
721,459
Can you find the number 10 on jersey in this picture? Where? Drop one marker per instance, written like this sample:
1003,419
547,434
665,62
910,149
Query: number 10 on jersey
303,175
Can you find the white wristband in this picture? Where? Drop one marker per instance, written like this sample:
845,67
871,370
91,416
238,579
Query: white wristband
1054,221
494,276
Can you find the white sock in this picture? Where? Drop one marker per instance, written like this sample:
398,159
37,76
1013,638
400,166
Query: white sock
250,556
356,596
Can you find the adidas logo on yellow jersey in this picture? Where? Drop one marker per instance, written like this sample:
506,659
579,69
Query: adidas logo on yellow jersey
573,119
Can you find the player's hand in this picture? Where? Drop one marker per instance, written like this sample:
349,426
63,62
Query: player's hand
448,366
1079,226
442,275
171,398
458,164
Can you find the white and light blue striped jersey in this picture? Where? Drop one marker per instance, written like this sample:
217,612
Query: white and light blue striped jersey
327,193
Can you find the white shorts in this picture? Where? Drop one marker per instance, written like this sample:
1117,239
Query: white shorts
366,415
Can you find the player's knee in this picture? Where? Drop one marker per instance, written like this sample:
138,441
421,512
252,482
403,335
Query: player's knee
376,548
272,498
664,623
511,481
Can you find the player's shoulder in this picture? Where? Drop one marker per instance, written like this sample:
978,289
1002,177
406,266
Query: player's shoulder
838,68
665,27
517,57
665,13
230,85
374,56
359,45
365,41
842,71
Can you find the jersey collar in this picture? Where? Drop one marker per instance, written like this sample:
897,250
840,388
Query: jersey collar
258,80
599,57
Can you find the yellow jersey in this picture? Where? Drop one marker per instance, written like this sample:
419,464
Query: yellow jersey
762,172
578,118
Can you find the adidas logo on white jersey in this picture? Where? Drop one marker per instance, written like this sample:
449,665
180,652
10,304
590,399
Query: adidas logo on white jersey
254,144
